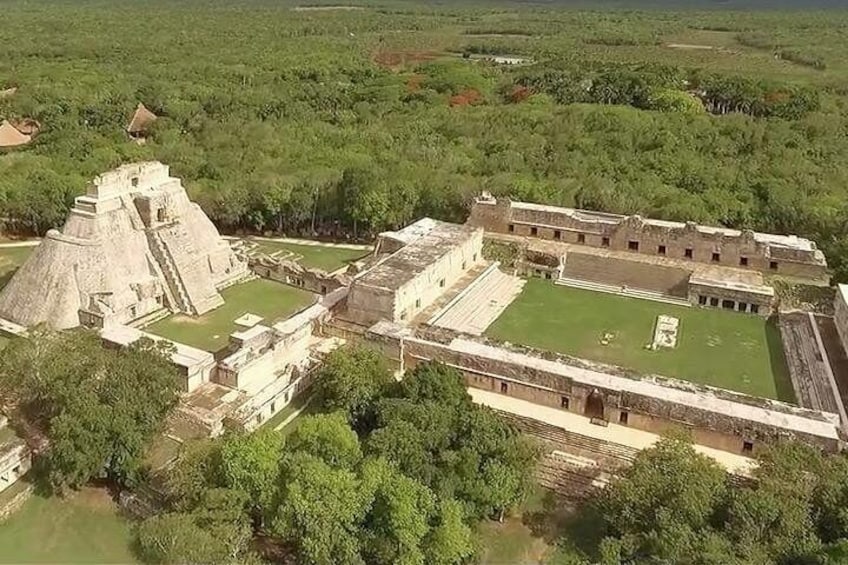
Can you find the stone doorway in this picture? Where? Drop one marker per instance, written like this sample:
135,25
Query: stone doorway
594,405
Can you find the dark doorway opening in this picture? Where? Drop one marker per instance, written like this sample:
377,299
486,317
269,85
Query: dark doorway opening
594,405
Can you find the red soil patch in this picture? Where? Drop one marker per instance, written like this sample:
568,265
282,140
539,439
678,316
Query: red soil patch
396,59
466,97
519,94
414,83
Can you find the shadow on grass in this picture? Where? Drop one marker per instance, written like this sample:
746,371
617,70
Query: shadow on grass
7,276
777,362
575,529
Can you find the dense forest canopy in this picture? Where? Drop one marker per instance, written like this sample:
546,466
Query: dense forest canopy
349,121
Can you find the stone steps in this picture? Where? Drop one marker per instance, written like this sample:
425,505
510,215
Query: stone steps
150,319
194,286
574,480
619,271
807,364
163,258
622,291
606,455
482,304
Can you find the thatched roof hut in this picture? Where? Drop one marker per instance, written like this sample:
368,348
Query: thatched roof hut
141,121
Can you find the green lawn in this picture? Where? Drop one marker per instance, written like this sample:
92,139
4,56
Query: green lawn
85,527
271,300
10,259
324,257
724,349
543,530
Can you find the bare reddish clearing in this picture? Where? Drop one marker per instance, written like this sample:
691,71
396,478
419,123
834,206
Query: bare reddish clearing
466,97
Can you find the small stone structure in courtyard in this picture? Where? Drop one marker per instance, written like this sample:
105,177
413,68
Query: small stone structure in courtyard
132,246
665,332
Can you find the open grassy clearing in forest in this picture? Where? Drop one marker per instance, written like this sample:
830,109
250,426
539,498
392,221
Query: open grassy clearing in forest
83,527
328,258
544,529
271,300
724,349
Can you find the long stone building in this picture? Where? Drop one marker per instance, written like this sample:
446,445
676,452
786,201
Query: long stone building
412,268
767,253
703,265
133,245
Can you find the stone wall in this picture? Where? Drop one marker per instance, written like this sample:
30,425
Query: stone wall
744,249
12,504
418,293
290,273
610,270
654,414
840,314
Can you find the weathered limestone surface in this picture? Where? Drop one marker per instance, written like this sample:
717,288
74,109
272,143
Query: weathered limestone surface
15,457
134,244
412,268
782,254
718,418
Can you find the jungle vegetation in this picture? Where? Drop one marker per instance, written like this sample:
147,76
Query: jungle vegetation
388,473
346,122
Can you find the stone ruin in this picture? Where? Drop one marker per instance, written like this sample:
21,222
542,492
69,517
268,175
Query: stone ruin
133,246
665,332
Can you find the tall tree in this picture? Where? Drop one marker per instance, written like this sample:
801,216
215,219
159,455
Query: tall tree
98,408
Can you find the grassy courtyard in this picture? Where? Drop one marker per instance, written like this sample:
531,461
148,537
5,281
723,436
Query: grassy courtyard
10,259
84,527
724,349
325,257
271,300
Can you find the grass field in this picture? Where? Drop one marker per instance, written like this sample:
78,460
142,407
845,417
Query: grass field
543,530
84,527
724,349
10,259
324,257
271,300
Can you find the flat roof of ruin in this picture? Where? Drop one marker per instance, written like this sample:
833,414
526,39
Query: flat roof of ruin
183,355
426,241
787,241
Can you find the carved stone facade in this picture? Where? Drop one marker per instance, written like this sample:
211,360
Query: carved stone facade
15,457
767,253
133,245
717,418
411,268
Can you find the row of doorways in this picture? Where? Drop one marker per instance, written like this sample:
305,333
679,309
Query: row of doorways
594,407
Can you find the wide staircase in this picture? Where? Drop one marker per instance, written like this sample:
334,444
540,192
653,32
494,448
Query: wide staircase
185,272
808,364
622,291
481,303
617,272
608,456
571,476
